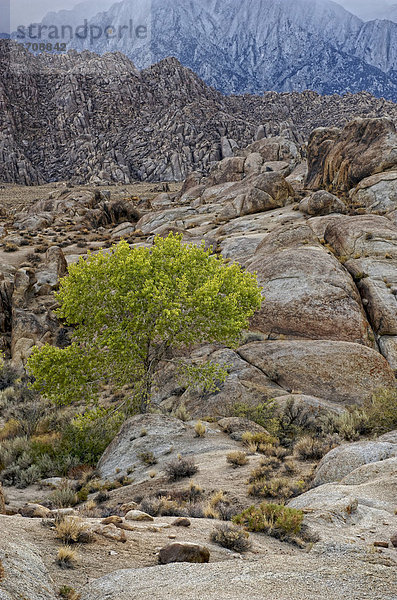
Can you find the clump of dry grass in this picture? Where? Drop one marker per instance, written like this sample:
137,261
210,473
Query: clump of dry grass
200,429
237,459
311,448
71,530
231,537
68,593
66,557
64,497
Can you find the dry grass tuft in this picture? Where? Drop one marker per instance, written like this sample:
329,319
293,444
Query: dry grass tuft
200,429
66,557
237,459
231,537
71,530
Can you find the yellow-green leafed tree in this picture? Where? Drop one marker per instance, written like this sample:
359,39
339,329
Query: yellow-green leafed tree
131,307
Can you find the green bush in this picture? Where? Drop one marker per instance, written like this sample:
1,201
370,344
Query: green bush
276,520
64,496
382,410
89,434
263,414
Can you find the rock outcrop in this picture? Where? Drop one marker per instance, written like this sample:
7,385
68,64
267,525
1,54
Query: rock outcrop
25,575
339,160
342,461
97,119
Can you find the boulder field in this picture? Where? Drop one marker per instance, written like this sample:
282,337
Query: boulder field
321,235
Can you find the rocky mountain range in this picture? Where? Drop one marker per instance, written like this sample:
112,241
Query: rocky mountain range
249,47
86,118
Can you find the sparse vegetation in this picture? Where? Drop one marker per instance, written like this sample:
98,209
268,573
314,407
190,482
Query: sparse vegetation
68,593
237,458
231,537
64,496
276,520
200,429
66,558
72,530
148,458
311,448
181,467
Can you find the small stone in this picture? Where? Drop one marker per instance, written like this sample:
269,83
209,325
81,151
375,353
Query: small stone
393,540
125,526
183,552
182,522
112,519
111,532
138,515
35,511
381,544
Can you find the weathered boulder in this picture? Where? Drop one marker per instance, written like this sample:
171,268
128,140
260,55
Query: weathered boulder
25,575
339,160
322,203
183,552
228,169
364,235
245,383
273,149
32,319
138,515
377,282
295,577
307,291
340,372
341,461
86,208
377,193
257,193
110,532
35,511
160,438
53,268
181,522
385,468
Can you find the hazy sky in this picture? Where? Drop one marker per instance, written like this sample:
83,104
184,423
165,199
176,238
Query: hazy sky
28,11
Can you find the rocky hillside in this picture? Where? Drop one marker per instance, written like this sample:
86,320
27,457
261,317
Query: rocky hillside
258,45
326,262
91,119
321,234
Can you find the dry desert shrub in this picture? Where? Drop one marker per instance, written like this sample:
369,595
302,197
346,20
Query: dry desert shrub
311,448
200,429
72,530
276,520
237,459
181,467
231,537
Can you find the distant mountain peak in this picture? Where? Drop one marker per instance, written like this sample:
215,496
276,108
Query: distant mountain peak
255,45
